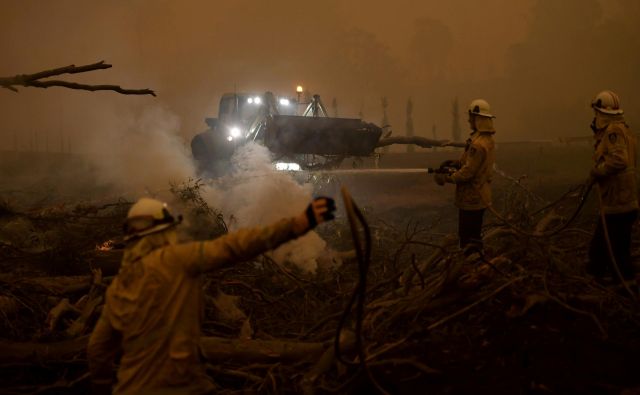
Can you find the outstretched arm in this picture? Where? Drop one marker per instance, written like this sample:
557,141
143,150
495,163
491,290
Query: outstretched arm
246,244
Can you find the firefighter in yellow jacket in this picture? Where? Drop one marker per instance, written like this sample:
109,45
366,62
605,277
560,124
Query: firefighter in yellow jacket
154,305
614,172
473,177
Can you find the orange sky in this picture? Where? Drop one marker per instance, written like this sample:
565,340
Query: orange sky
192,51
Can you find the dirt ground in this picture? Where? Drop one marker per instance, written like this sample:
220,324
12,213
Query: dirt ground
527,320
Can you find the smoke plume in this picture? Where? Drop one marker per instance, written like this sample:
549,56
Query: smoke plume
257,194
140,152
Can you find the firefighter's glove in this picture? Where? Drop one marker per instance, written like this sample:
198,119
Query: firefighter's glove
320,210
440,178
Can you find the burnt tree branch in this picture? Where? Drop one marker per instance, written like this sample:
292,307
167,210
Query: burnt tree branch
419,141
35,80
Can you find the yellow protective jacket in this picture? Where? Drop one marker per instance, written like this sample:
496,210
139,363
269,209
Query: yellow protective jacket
154,308
473,180
615,164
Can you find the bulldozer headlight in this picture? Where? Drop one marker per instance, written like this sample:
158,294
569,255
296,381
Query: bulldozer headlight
287,166
250,100
229,138
284,102
234,132
257,100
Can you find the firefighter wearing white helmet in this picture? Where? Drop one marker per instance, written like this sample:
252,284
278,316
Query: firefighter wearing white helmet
614,172
607,102
148,216
481,108
153,307
473,177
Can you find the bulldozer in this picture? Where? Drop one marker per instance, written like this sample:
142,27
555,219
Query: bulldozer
310,141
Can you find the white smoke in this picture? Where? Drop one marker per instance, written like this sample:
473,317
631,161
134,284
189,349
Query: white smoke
257,194
142,152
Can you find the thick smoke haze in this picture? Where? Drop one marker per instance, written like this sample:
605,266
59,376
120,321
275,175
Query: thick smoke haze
143,154
538,62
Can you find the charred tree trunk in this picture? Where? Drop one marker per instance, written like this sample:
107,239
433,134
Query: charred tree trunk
419,141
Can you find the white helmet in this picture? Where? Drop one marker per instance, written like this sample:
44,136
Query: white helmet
148,216
607,102
481,108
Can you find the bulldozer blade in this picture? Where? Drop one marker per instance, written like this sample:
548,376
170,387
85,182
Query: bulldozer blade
290,135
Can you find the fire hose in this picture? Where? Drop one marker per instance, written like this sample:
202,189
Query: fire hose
583,198
358,296
587,186
607,239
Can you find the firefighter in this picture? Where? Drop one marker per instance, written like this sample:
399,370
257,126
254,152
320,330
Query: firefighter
473,177
614,175
153,307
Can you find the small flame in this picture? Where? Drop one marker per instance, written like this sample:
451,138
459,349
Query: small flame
106,246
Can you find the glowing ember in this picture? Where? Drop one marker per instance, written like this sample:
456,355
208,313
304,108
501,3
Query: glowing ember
106,246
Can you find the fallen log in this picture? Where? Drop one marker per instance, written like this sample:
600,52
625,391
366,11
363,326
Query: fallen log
19,352
220,349
215,349
52,286
63,308
58,286
325,362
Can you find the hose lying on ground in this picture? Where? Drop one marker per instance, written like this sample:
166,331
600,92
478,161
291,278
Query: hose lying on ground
612,257
363,254
587,189
583,198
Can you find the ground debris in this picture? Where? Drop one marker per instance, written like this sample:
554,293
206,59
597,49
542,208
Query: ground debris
432,321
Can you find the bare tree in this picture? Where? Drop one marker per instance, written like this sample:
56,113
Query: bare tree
409,125
431,44
385,118
35,80
456,134
385,105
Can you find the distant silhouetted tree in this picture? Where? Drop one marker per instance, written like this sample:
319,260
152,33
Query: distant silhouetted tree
456,134
385,118
430,45
409,124
578,47
362,62
385,105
